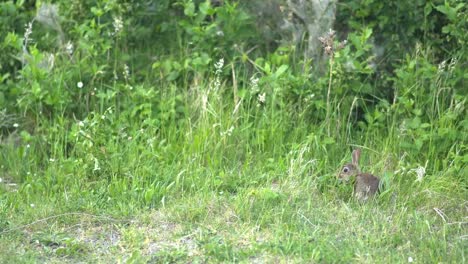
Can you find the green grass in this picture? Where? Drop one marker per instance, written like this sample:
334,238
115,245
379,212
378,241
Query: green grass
191,192
287,221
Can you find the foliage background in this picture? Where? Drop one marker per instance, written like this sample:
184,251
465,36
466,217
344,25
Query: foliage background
212,116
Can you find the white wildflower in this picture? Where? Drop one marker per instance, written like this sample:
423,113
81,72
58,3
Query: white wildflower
410,259
118,25
441,66
28,146
81,123
69,48
126,72
32,205
28,33
96,165
420,172
254,84
217,83
262,98
79,84
15,125
219,66
228,132
452,64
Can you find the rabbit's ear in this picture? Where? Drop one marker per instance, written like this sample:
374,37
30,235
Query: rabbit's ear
356,155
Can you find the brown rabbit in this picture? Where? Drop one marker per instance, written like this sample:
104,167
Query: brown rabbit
366,184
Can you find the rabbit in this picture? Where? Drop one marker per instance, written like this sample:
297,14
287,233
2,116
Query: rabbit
366,185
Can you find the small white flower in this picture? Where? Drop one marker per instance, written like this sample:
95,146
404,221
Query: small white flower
220,33
441,66
262,98
410,259
28,146
15,125
126,72
96,165
81,123
28,32
32,205
228,132
51,160
217,83
69,48
118,25
79,84
254,84
420,172
103,117
452,64
219,66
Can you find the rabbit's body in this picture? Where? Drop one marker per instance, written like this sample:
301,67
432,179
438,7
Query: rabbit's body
366,185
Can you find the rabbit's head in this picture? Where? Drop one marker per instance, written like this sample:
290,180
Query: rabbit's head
350,169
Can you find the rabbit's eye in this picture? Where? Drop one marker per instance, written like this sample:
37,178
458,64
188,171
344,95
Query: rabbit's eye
345,169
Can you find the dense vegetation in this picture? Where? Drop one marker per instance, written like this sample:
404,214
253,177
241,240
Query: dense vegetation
196,131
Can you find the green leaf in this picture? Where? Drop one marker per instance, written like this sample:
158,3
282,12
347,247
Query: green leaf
206,9
449,11
149,195
97,11
267,68
189,9
282,69
414,123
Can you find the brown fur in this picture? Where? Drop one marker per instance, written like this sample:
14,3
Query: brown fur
366,185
